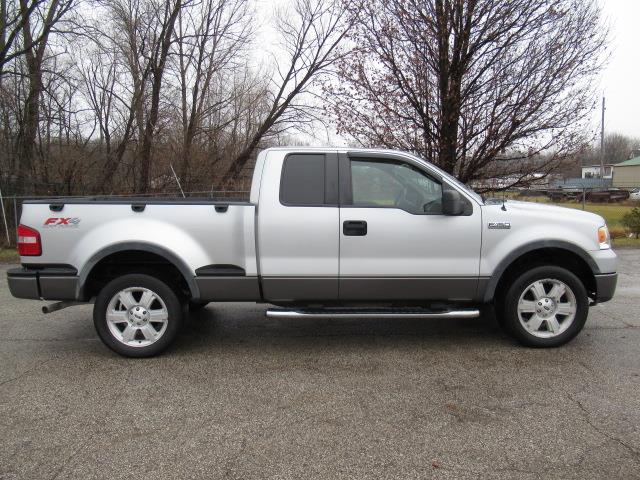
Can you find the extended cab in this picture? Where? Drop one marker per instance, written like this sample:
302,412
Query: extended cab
326,233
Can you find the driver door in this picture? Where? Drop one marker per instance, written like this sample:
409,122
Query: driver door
395,243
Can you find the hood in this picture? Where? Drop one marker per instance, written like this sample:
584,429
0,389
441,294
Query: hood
555,210
528,222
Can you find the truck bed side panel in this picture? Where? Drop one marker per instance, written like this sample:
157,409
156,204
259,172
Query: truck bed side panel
196,234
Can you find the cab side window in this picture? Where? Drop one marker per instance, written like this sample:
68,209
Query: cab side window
382,183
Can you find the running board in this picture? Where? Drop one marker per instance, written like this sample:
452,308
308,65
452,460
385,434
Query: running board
370,313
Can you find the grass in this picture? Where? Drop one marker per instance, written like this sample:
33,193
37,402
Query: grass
626,242
9,255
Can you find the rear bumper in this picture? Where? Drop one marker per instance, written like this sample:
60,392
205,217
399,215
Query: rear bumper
605,286
54,283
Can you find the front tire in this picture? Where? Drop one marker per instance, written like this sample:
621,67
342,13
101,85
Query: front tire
546,306
137,315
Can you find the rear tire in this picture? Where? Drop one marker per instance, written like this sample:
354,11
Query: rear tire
137,315
546,306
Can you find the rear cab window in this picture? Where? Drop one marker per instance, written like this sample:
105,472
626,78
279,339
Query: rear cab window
309,180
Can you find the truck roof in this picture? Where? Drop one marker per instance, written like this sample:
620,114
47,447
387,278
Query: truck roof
336,149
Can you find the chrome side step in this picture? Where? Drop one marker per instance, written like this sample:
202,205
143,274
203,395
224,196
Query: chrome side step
370,313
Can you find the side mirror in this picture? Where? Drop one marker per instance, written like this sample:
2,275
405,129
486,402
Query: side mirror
452,203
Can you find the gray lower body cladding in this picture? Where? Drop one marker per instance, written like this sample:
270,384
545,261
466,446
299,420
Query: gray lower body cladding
228,288
54,284
46,283
300,289
605,286
464,289
63,284
372,289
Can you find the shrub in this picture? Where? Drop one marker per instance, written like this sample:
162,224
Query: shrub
617,232
631,220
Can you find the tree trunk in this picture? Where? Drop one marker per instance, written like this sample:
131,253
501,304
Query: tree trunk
149,129
158,72
31,115
29,129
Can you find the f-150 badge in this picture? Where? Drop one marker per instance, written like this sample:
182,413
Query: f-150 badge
499,225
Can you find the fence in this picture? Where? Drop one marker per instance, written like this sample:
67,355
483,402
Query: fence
583,183
11,205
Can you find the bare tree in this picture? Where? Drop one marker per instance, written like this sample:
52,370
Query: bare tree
478,87
210,40
62,137
124,83
113,110
35,33
166,13
14,17
618,147
310,38
117,76
126,41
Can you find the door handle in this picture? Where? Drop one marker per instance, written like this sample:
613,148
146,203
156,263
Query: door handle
354,228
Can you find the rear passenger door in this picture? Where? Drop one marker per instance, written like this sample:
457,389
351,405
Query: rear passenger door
298,227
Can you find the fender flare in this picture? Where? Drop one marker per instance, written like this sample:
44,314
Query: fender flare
170,257
530,247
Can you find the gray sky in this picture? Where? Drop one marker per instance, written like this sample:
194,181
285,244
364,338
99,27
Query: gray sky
621,79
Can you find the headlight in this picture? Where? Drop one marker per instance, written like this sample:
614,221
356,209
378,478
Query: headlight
603,238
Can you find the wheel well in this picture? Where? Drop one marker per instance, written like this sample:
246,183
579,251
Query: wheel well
134,261
559,257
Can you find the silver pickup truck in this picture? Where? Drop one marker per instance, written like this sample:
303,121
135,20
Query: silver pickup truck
329,233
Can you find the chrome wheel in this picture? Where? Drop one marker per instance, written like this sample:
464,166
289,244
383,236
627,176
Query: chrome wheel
137,317
547,308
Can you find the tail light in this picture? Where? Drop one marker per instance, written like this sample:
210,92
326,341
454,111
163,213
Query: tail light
29,244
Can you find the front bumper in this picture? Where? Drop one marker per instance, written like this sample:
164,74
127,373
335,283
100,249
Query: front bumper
605,260
51,283
605,286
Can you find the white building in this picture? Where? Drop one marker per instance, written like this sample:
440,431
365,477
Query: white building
593,171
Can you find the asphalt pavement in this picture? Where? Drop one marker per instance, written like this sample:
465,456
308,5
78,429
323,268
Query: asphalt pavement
242,396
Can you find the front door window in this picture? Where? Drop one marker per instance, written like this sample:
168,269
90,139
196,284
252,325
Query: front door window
380,183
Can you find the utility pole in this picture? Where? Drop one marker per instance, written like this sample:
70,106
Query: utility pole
602,141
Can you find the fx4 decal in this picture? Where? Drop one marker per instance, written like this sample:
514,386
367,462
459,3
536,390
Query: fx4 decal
62,222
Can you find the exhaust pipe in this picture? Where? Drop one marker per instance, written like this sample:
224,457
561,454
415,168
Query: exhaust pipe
54,307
